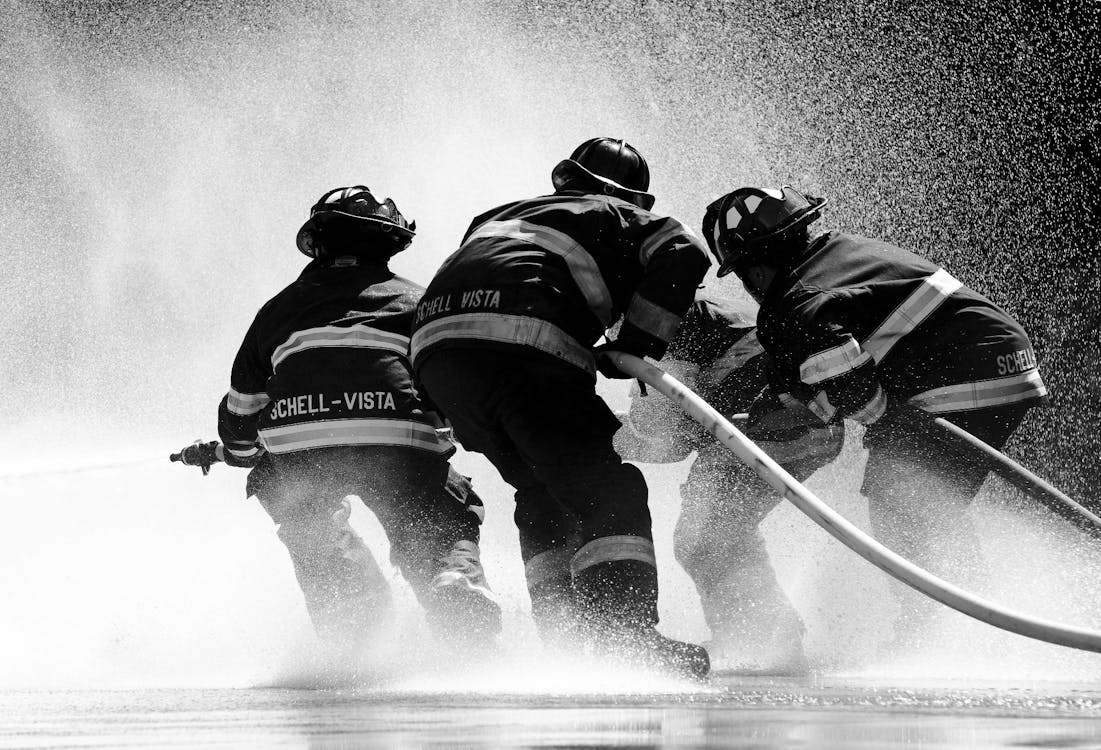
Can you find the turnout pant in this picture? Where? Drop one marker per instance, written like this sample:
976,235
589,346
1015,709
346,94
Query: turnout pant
919,482
718,542
581,513
421,504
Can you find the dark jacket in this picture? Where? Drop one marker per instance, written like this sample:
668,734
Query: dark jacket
325,363
856,323
553,273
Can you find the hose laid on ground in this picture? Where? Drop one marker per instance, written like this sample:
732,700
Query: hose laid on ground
843,530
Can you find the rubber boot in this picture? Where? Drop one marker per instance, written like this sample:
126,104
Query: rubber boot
618,605
554,611
754,627
462,606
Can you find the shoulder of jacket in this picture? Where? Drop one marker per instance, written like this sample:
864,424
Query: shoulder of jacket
409,284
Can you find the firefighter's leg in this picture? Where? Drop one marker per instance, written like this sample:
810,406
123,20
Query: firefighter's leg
549,537
614,569
548,414
346,593
431,516
753,623
919,483
460,588
473,388
916,512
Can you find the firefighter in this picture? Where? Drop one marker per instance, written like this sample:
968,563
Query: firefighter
503,344
857,328
754,626
322,406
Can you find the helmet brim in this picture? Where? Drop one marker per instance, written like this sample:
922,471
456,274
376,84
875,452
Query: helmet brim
306,240
569,171
751,250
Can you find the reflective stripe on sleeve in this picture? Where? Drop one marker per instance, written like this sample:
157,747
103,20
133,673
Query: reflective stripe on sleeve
243,450
358,336
833,362
652,318
873,410
982,394
245,404
337,432
670,230
554,563
583,269
612,548
921,303
511,329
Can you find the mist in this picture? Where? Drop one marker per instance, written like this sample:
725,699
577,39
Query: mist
160,157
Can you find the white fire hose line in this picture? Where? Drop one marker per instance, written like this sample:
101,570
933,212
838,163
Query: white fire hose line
848,534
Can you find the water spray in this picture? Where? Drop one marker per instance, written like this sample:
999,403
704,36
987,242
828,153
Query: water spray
1025,480
1015,474
840,528
107,465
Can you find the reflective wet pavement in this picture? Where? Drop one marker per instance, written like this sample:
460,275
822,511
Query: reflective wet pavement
730,713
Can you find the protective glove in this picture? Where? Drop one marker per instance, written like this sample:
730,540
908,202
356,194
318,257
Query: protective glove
780,418
821,445
203,455
604,364
788,431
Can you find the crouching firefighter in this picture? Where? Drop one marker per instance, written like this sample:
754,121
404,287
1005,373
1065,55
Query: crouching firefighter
860,329
717,540
504,344
321,405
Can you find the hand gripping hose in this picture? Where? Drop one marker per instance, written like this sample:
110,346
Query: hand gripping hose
841,529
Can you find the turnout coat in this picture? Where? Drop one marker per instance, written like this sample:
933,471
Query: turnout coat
860,323
550,275
325,363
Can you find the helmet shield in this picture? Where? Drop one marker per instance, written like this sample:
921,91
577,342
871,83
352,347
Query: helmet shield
747,225
610,166
354,212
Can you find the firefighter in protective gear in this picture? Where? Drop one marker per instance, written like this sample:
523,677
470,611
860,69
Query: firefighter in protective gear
860,329
503,344
322,406
716,353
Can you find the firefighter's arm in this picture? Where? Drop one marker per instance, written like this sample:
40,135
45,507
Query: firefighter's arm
850,390
673,265
789,432
833,366
205,454
239,410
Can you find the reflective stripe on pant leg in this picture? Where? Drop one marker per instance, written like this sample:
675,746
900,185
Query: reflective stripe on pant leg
552,564
613,549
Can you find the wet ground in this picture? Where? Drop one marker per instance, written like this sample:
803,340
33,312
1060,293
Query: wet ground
166,615
730,713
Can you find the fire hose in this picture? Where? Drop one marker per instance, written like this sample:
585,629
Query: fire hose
844,531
